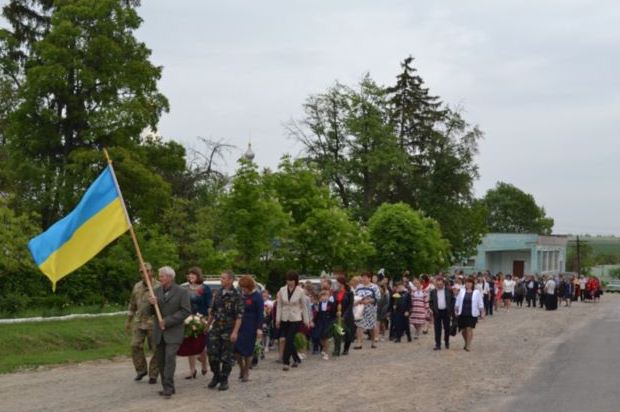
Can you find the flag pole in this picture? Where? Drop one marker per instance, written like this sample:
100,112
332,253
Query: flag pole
134,238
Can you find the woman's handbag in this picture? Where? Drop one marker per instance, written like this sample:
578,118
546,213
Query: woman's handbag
453,327
358,309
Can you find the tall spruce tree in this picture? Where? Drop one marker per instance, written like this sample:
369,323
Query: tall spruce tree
414,114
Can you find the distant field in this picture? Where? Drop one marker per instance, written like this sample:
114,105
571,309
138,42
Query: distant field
601,245
28,345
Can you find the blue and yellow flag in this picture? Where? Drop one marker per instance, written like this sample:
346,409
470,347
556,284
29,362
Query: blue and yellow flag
97,220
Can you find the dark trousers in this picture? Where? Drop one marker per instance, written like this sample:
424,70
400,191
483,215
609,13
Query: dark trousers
442,319
582,292
166,354
486,301
531,300
288,330
401,326
519,299
541,299
491,303
349,335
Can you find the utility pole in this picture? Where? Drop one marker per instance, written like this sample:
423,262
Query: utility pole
578,257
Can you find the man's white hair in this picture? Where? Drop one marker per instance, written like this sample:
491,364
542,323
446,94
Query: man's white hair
166,271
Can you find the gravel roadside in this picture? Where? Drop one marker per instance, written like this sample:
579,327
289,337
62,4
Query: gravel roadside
506,351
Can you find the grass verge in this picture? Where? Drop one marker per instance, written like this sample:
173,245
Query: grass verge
28,345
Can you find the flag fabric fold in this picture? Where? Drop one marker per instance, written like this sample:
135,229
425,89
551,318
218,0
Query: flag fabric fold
97,220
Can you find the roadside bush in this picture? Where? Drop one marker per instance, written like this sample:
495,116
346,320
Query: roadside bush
12,303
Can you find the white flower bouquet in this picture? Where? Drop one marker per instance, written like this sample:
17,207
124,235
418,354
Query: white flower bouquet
194,326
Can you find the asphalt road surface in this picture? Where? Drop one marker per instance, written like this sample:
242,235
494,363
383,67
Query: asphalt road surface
582,375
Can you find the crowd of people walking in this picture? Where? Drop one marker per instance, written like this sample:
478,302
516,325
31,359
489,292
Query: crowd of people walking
243,323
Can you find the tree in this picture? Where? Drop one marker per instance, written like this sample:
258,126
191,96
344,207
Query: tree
321,235
406,240
510,210
83,82
377,144
414,114
374,154
253,218
324,134
328,240
440,147
298,187
15,232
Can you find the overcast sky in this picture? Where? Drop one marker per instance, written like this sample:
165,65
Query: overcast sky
540,78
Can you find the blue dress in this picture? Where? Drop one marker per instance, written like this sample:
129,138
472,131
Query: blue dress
252,320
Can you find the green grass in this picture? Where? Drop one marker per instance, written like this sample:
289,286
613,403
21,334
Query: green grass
28,345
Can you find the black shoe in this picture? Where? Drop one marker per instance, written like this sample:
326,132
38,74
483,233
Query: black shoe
447,346
345,352
223,385
214,381
140,376
397,340
152,381
437,348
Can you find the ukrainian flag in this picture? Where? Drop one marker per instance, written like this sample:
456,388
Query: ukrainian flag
97,220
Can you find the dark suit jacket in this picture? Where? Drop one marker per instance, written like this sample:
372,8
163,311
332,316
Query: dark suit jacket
531,292
175,308
449,301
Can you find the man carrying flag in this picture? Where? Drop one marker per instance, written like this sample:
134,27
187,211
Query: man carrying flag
99,218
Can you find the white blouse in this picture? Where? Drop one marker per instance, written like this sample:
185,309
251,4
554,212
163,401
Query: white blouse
509,286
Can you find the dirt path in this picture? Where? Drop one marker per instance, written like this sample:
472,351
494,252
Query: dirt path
506,351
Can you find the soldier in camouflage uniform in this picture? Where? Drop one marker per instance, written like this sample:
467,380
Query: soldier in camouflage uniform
225,319
140,324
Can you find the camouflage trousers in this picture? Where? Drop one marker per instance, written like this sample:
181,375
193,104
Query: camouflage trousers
220,350
137,352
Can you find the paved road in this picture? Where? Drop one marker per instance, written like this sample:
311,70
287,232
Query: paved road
582,375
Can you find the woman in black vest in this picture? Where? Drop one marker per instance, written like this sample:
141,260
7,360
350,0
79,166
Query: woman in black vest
343,298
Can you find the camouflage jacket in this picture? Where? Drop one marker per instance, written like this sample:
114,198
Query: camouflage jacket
140,314
227,307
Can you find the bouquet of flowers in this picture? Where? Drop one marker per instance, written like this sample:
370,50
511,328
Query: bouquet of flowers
337,329
259,351
301,342
194,326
